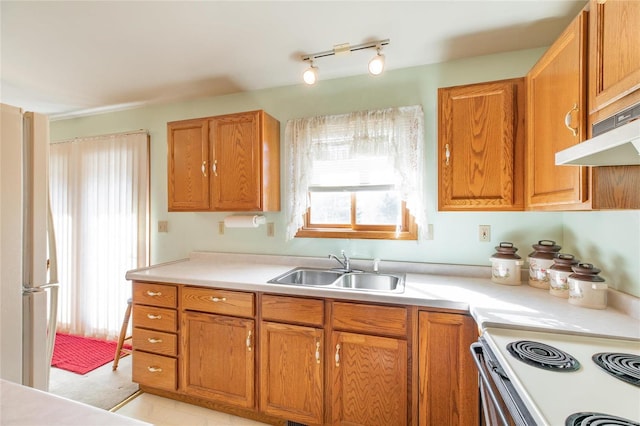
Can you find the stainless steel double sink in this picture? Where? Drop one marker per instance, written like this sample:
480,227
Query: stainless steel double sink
353,280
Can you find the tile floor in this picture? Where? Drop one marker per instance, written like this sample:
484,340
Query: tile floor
167,412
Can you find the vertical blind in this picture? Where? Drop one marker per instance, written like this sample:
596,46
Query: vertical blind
99,200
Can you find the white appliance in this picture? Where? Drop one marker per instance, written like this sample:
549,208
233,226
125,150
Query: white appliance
550,396
615,142
28,277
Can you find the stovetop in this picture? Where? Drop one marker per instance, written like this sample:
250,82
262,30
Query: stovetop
579,388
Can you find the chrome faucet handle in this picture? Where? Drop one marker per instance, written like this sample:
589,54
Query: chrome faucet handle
376,264
347,261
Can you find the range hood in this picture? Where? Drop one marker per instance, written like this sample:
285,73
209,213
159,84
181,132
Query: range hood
618,143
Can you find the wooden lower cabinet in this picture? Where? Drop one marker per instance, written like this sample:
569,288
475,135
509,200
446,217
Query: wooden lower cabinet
155,335
448,379
369,380
218,358
314,361
291,372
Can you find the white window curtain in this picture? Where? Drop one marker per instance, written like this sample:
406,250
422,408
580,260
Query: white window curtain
99,200
393,133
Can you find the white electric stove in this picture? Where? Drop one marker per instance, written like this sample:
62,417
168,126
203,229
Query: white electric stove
577,387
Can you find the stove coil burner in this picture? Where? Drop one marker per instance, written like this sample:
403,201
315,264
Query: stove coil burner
597,419
543,356
625,367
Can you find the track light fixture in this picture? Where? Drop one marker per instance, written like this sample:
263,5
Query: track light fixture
376,64
310,75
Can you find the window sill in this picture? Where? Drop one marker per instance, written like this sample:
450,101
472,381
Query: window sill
411,234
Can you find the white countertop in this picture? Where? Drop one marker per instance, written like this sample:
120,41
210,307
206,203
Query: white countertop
438,286
25,406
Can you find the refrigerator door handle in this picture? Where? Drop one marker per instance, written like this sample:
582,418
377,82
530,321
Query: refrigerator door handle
51,242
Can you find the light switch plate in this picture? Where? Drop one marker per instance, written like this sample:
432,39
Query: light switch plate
484,233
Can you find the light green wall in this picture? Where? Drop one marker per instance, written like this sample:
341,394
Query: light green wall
455,234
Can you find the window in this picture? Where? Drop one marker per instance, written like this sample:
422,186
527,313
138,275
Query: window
356,175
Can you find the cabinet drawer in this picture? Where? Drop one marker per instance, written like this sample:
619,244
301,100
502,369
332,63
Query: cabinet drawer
154,370
218,301
155,341
383,320
293,309
156,318
155,294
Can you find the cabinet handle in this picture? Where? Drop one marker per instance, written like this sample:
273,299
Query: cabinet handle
154,369
317,352
338,355
153,293
447,154
152,340
214,167
204,168
567,120
218,299
151,316
249,341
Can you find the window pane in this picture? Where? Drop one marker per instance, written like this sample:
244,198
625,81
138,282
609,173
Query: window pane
378,208
330,208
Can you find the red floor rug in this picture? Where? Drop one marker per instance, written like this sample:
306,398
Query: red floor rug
82,354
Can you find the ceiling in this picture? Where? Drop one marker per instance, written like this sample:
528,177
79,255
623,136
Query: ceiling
68,58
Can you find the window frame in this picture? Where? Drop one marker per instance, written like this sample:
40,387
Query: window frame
408,228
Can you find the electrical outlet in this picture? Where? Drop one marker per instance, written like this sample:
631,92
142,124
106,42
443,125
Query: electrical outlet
221,228
484,233
270,229
163,226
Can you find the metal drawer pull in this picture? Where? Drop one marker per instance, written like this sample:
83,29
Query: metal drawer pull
338,355
567,120
152,340
154,369
447,154
203,168
318,352
214,167
249,341
151,316
153,293
218,299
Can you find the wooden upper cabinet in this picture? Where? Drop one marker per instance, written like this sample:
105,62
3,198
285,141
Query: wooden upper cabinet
614,55
188,157
237,167
481,146
556,119
245,162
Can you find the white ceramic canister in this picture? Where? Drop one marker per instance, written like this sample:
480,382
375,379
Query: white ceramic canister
506,265
586,288
559,274
540,260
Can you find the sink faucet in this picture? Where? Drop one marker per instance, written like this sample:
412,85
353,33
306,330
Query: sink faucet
346,263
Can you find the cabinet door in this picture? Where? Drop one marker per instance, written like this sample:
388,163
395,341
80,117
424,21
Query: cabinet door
556,120
369,378
291,373
614,51
236,156
218,358
448,379
188,156
481,146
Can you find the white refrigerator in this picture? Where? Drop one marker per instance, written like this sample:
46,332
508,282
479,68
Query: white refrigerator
28,281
